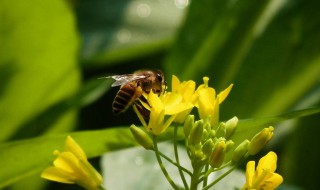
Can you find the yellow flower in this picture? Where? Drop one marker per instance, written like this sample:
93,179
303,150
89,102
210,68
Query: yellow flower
263,177
71,166
167,104
208,101
187,90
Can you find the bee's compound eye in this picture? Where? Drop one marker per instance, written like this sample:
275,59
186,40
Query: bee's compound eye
159,77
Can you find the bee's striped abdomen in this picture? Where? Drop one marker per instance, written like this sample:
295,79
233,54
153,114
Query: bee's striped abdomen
124,98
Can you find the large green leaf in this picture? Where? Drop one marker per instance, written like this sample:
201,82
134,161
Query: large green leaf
114,31
21,154
38,46
44,122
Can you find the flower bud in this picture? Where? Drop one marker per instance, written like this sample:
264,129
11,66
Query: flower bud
207,147
221,131
260,140
229,145
231,126
188,125
217,156
141,137
212,134
240,151
196,132
207,123
205,134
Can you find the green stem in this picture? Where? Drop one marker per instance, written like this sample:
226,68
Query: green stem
209,171
163,169
176,155
222,167
195,177
172,162
205,181
221,177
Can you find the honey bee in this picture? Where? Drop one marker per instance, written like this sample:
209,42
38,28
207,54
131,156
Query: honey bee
132,86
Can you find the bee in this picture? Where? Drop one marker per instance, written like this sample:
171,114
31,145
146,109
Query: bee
132,86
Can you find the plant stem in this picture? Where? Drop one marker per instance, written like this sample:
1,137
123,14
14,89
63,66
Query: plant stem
176,155
163,169
172,162
221,177
195,177
205,181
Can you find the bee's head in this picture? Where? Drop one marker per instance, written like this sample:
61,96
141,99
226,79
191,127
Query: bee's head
160,81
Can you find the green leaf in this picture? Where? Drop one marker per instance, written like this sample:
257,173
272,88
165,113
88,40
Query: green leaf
122,30
18,158
44,122
38,47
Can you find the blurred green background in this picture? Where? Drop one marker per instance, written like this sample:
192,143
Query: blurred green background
53,52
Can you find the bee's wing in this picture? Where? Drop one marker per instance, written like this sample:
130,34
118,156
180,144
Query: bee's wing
123,79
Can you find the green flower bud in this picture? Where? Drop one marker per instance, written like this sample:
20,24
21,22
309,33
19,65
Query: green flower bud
259,141
208,147
240,151
196,132
205,134
229,145
221,131
188,125
231,126
217,156
141,137
212,134
207,123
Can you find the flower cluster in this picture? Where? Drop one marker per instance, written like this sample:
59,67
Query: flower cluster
177,105
208,140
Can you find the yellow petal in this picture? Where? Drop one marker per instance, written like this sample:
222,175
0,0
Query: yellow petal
182,116
67,162
175,83
178,108
215,113
167,123
250,171
55,174
155,102
72,146
273,181
223,95
187,90
171,99
268,163
206,102
156,122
